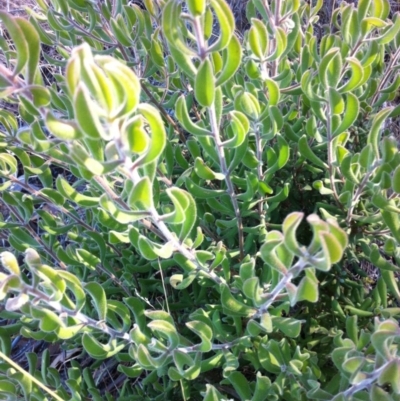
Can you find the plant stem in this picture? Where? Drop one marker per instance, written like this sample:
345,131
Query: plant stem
272,296
85,320
225,171
367,382
359,193
331,167
260,174
215,130
214,347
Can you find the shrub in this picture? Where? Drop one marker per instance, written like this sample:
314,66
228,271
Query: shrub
196,205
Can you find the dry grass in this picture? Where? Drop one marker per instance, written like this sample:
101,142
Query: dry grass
16,6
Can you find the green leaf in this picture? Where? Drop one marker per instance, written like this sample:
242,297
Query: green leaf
396,180
330,68
333,251
33,42
307,88
354,364
390,33
167,330
85,112
9,262
143,358
184,118
8,164
283,157
226,22
65,333
16,303
126,84
381,262
273,92
373,136
49,321
289,327
378,394
289,227
391,283
130,371
98,350
241,385
307,289
121,215
357,75
63,129
391,375
271,357
67,191
204,172
141,196
201,192
87,258
120,31
212,394
350,114
158,135
204,331
252,290
151,250
258,38
182,360
172,30
204,86
98,295
305,150
232,306
17,35
248,104
74,285
263,384
240,127
336,102
41,96
188,205
196,7
81,156
269,251
231,59
280,46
